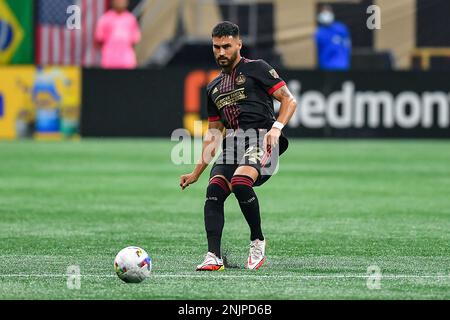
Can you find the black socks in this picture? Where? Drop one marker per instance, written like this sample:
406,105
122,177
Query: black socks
216,194
248,201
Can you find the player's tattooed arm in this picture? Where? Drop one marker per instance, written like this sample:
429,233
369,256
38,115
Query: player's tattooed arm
211,143
288,104
287,109
283,92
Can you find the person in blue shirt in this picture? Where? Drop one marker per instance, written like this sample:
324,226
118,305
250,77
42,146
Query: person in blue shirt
333,42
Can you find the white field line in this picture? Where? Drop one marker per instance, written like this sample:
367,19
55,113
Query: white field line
250,276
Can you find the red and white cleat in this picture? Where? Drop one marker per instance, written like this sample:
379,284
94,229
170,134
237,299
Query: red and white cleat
211,263
256,257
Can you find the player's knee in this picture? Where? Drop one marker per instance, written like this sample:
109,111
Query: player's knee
242,187
217,190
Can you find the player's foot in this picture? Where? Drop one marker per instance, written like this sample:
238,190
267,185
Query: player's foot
211,263
256,257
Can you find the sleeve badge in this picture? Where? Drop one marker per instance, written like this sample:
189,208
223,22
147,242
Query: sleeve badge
274,74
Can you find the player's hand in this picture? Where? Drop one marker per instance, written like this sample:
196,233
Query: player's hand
187,179
271,139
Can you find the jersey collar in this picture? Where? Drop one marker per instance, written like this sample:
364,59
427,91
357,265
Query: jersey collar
235,67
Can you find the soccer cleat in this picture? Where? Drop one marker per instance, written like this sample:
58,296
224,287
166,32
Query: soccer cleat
256,257
211,263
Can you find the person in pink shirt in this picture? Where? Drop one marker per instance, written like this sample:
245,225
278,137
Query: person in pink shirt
116,33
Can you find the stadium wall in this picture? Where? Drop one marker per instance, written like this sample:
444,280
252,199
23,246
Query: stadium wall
147,103
137,103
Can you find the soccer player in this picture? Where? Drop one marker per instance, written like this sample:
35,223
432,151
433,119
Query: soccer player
240,101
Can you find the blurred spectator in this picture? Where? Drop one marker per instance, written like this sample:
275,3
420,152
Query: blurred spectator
117,32
333,42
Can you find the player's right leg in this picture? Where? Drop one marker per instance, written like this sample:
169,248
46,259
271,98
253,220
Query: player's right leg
242,186
217,192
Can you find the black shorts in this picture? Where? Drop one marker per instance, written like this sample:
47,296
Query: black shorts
245,149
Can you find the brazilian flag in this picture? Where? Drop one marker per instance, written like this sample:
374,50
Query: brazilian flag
16,31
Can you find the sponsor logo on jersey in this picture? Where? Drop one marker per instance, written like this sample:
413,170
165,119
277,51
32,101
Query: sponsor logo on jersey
230,98
240,80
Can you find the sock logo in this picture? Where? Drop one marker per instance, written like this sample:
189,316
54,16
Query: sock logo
249,200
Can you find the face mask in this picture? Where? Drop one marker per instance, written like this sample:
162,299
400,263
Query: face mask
325,17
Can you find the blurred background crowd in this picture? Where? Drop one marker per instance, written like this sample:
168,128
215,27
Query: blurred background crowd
303,34
62,61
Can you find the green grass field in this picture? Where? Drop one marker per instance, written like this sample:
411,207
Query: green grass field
334,209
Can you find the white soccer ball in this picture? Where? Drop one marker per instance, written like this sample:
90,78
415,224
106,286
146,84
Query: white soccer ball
133,265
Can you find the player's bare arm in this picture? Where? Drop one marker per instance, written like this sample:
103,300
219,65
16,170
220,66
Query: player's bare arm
287,109
211,143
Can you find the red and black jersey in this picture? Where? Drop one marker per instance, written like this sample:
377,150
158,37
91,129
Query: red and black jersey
243,98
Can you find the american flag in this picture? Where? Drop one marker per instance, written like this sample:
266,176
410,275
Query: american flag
58,45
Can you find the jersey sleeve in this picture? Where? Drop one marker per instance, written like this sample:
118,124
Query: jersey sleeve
213,112
267,77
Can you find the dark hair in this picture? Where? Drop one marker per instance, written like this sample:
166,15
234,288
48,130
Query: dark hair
226,29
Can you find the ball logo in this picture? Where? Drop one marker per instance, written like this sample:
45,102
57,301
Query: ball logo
145,262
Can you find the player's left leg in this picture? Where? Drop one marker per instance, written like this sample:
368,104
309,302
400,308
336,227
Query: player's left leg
242,186
217,192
